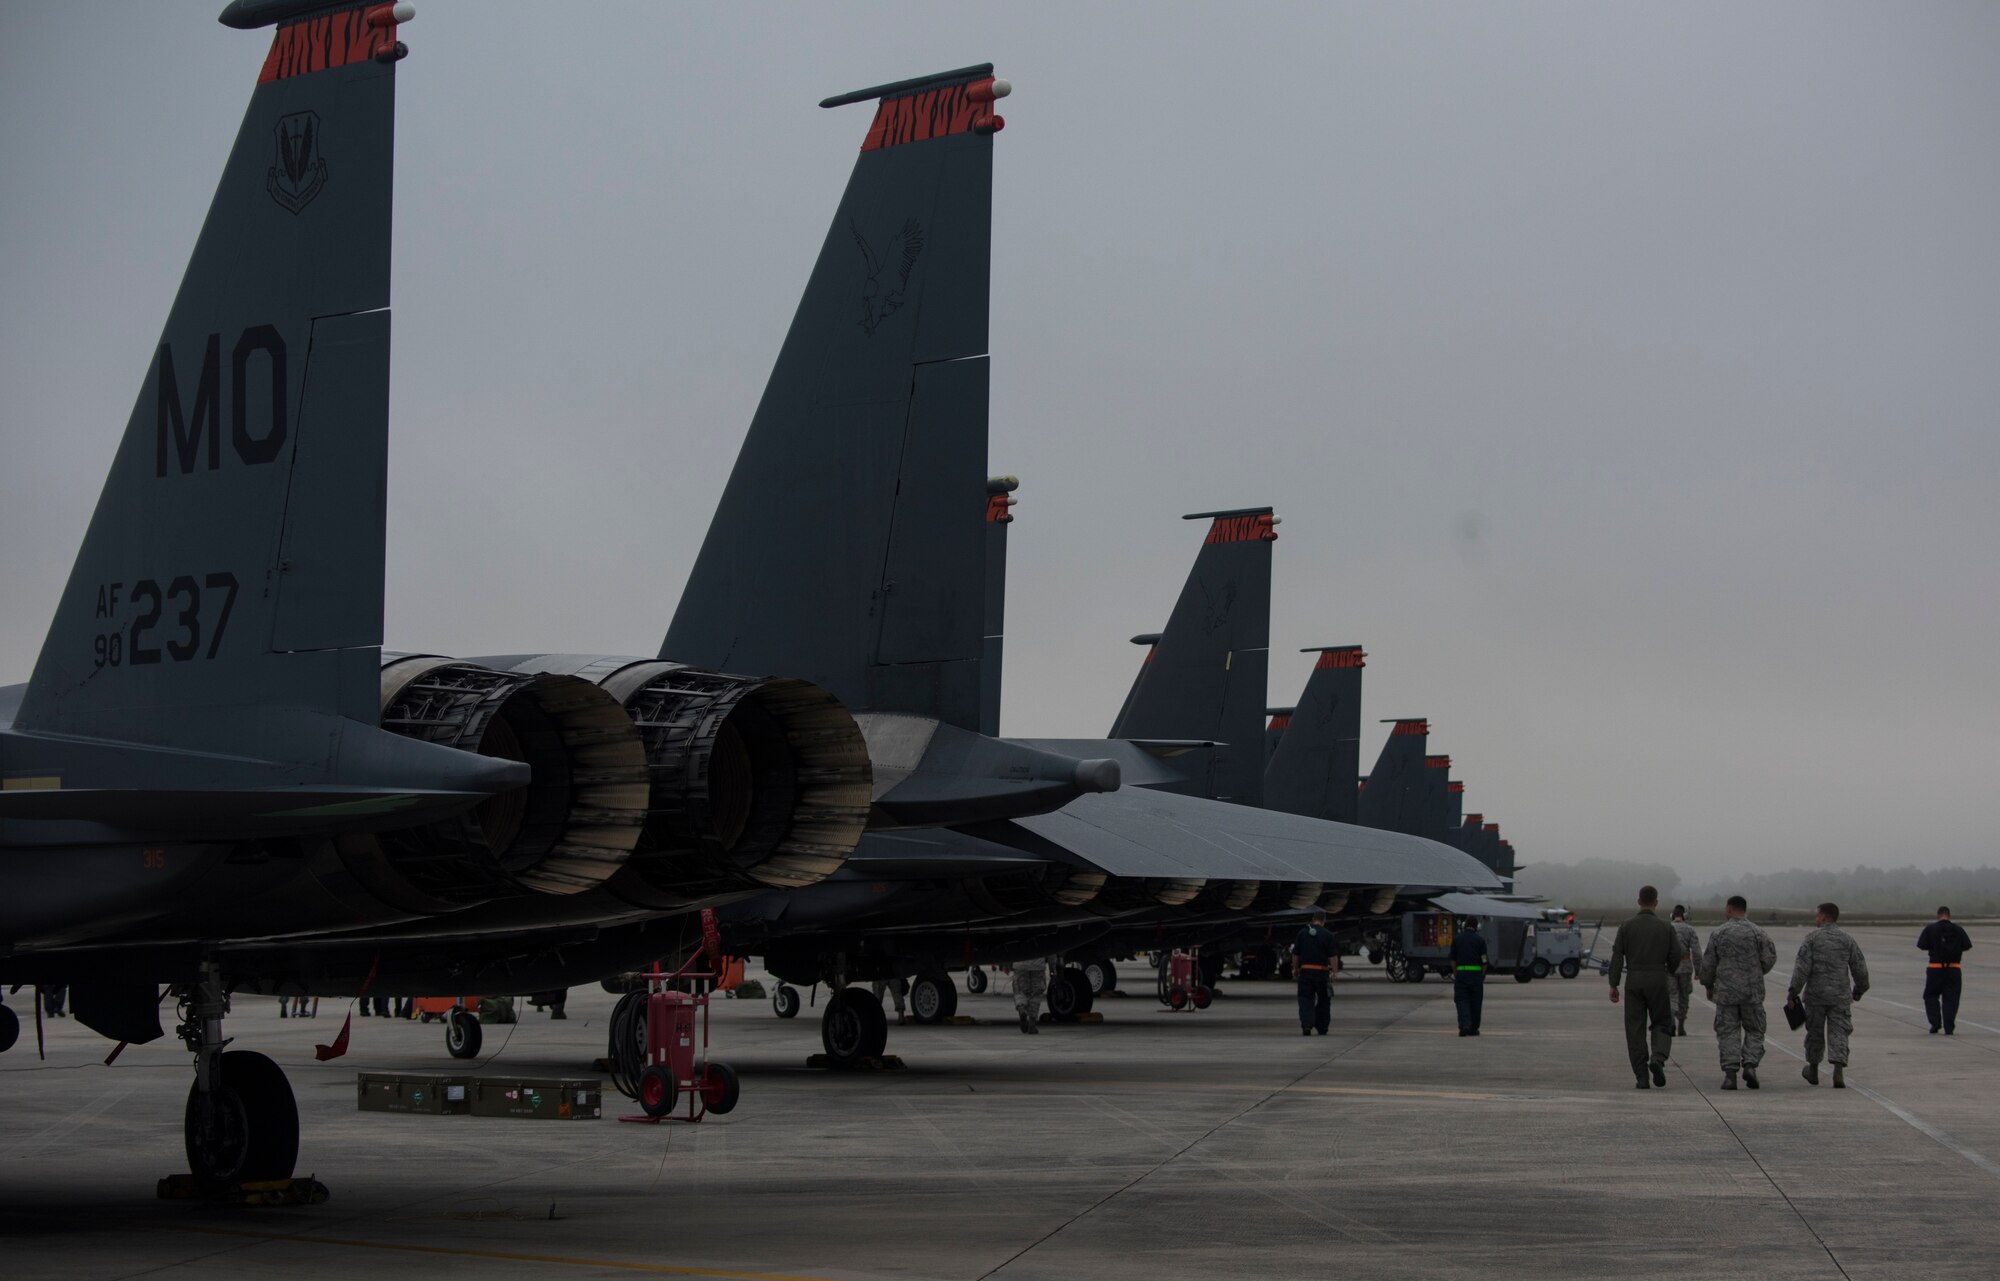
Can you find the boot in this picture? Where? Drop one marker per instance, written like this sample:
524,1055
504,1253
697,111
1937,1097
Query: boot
1681,1027
1811,1074
1660,1075
1639,1082
1749,1076
1027,1024
1729,1078
1839,1080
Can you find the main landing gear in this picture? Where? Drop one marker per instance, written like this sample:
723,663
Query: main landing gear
853,1028
242,1123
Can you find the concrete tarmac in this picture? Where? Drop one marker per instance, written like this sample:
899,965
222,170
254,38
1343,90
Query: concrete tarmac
1153,1146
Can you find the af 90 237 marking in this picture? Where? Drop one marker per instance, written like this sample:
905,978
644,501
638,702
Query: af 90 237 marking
181,604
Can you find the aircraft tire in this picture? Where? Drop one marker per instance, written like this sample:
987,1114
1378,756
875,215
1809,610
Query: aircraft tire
933,997
658,1091
1570,969
1540,968
1375,956
785,1001
1398,968
853,1027
10,1028
1101,974
1069,994
248,1130
462,1034
975,980
720,1089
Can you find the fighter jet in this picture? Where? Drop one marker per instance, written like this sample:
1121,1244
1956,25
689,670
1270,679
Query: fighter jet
216,778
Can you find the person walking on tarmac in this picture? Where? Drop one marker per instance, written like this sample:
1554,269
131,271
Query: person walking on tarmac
1031,982
1828,976
1468,975
1739,955
1648,946
1947,942
1685,971
1317,960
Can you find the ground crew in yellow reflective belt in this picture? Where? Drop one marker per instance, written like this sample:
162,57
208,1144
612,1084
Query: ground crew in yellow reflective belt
1468,976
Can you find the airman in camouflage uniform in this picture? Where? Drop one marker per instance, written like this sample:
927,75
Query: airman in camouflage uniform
1031,983
1684,975
1739,955
1828,976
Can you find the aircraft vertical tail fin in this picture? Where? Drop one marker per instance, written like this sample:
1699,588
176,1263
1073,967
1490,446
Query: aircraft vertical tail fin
1439,819
846,549
1204,676
1317,758
234,562
1394,795
999,515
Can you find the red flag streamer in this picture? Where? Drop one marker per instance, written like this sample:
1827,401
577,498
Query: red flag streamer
39,1049
325,1053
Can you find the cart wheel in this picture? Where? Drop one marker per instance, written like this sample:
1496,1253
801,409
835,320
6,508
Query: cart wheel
1201,997
1177,997
1416,973
1374,956
462,1034
785,1001
1523,976
933,997
975,980
1570,969
658,1091
719,1088
10,1028
1398,968
1540,968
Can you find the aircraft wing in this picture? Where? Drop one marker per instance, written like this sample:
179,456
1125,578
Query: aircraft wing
1140,833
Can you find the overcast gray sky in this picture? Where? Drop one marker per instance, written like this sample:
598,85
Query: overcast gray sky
1625,375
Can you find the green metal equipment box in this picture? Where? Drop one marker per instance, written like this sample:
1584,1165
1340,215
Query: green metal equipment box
423,1095
537,1099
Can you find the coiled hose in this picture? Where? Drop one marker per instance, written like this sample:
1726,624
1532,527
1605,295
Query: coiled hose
626,1054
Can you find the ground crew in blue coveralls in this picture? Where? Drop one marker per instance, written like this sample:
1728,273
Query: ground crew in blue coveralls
1946,941
1468,976
1314,969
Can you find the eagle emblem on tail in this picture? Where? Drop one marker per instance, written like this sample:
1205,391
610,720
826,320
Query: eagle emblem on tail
888,276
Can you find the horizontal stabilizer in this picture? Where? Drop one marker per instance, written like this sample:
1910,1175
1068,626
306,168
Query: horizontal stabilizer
1141,833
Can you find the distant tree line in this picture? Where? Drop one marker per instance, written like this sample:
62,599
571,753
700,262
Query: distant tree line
1967,891
1603,882
1596,882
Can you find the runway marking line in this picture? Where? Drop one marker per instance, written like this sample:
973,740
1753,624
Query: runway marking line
1902,1114
504,1256
1388,1092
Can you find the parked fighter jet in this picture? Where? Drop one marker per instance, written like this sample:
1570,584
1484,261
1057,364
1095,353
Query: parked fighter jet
849,548
215,777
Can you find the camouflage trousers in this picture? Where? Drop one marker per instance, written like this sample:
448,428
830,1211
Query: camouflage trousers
1683,993
1739,1034
1827,1030
1029,987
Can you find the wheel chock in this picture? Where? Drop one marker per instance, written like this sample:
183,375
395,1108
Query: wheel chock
182,1187
1092,1017
885,1063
